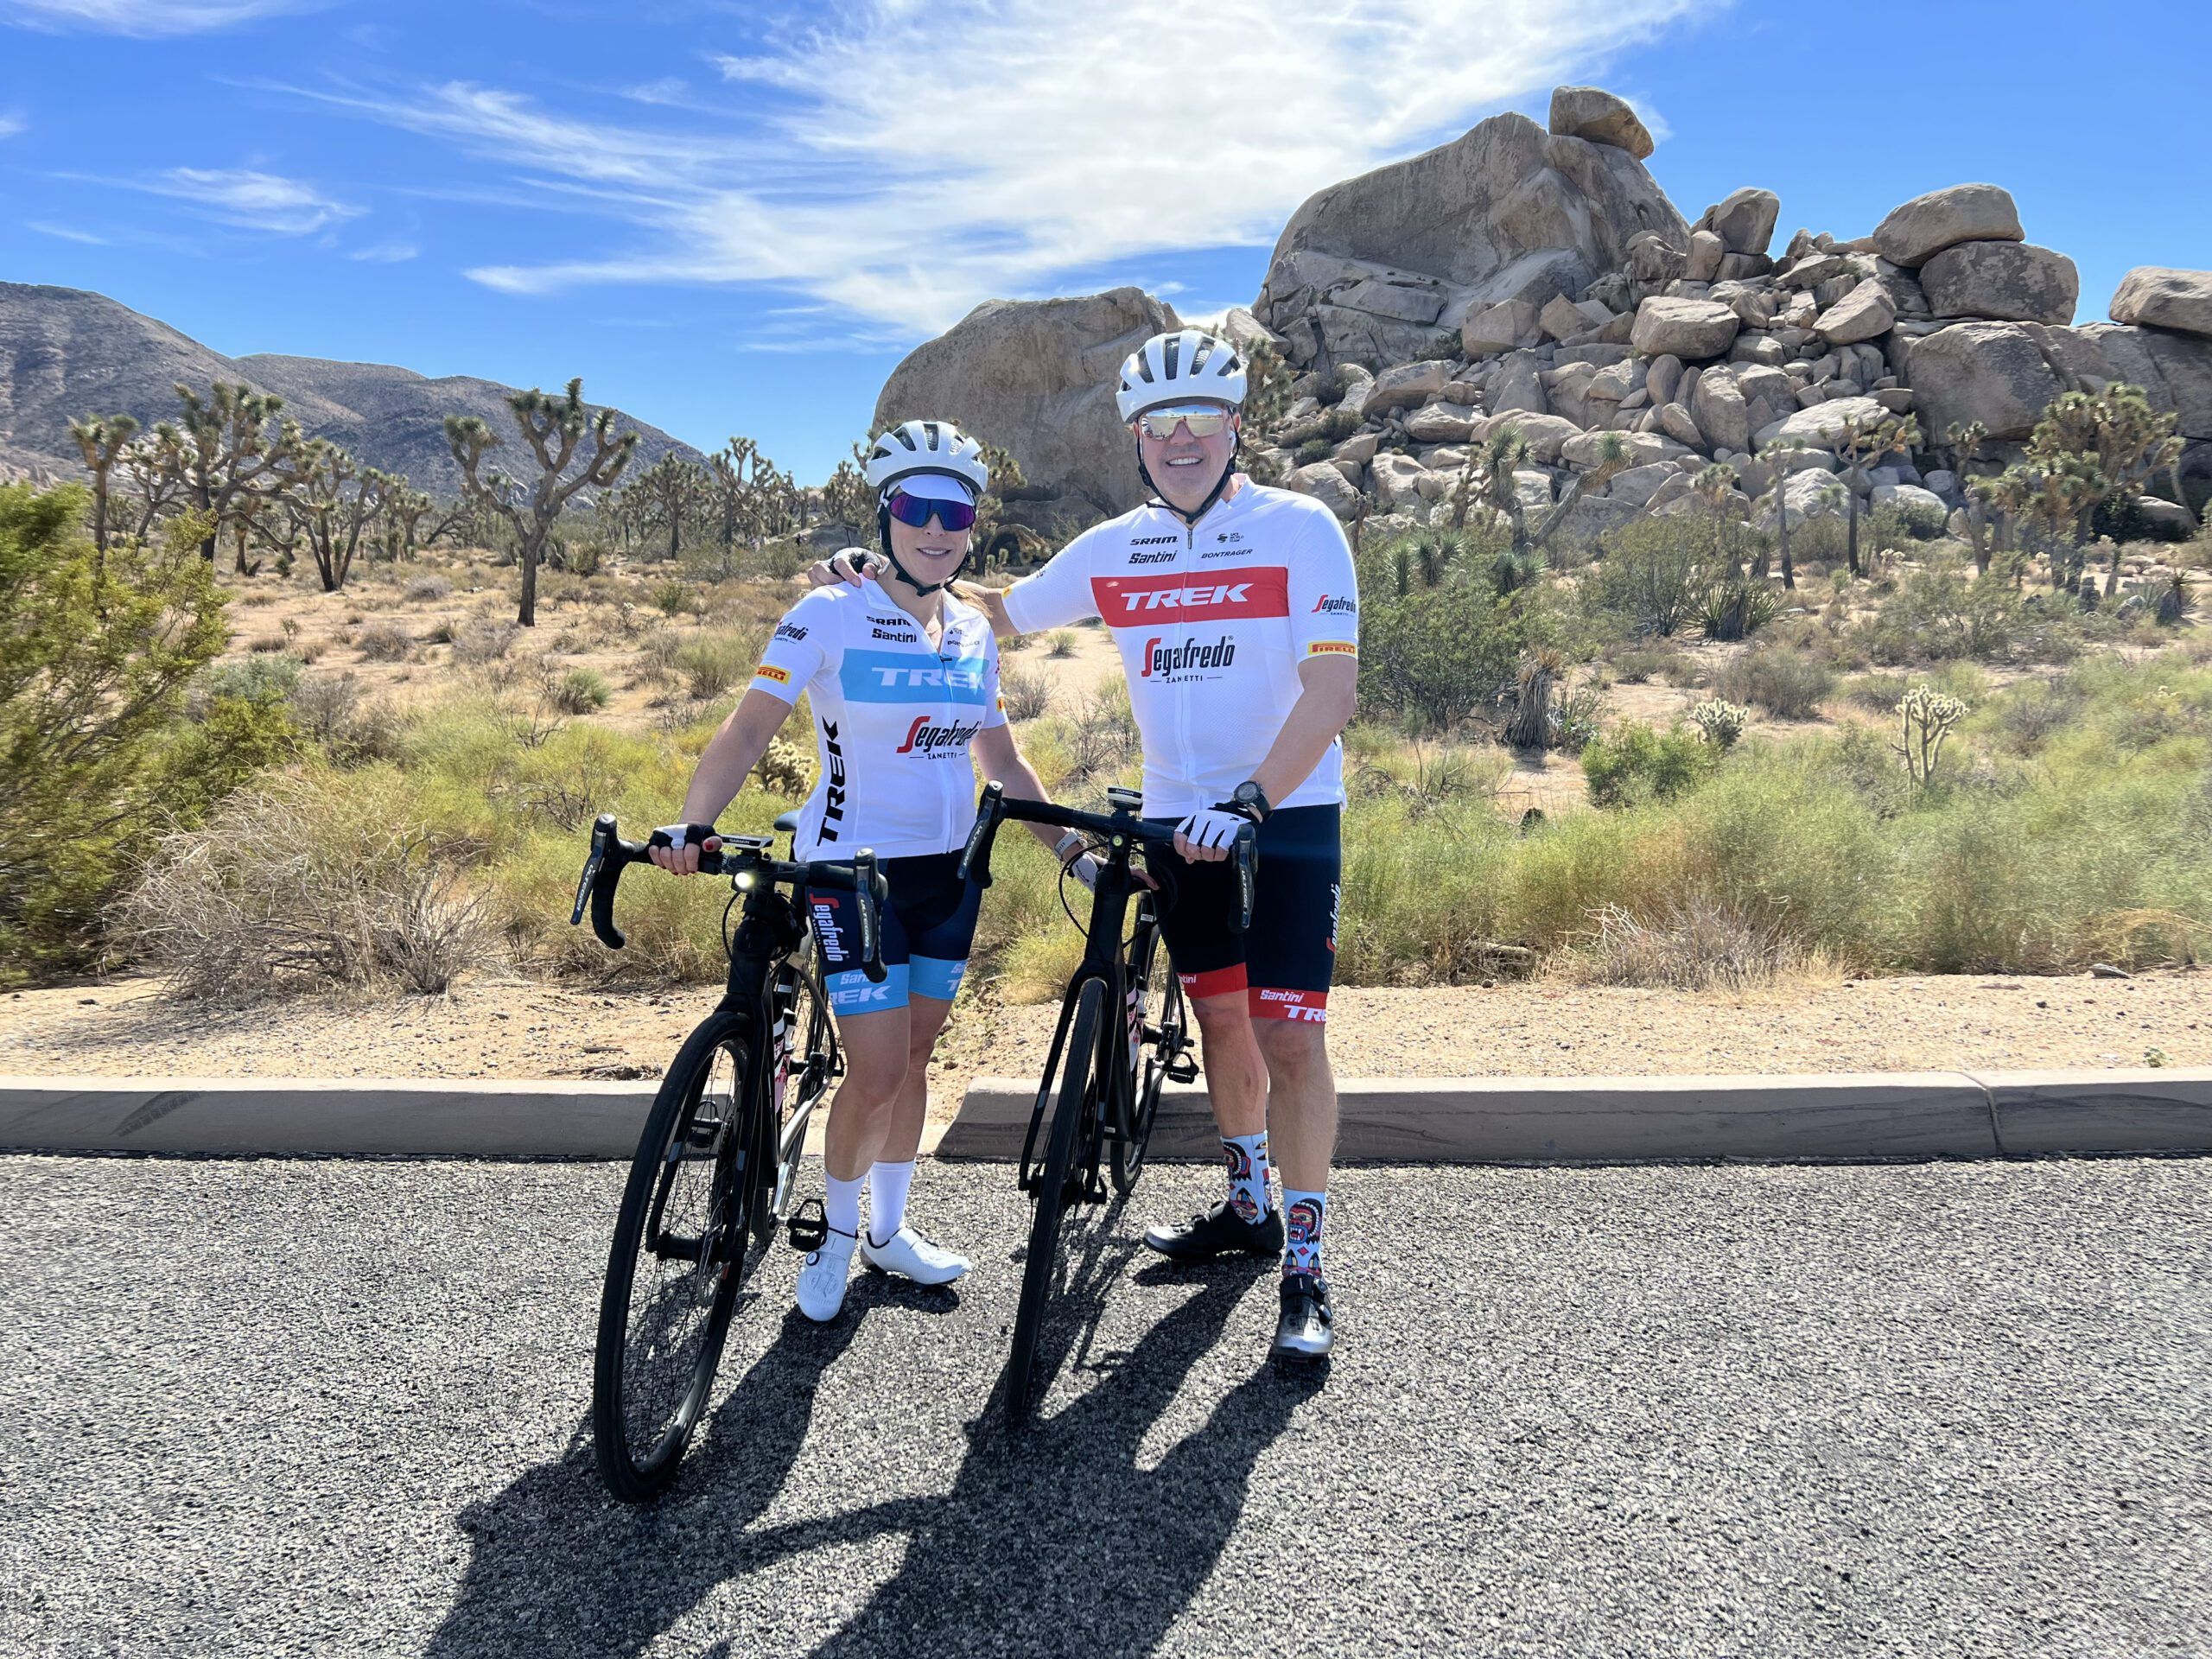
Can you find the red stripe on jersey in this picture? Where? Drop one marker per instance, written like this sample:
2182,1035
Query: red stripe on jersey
1269,1003
1140,602
1215,982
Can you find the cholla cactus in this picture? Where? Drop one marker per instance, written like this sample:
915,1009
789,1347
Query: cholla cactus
1927,716
1721,722
783,769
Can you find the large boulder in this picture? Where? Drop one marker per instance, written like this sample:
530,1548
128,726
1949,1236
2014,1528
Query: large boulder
2005,281
1819,427
1744,222
1491,330
1547,434
1721,412
1992,373
1407,386
1590,113
1867,312
1036,378
2157,297
1690,330
1370,268
1927,225
1810,494
1325,482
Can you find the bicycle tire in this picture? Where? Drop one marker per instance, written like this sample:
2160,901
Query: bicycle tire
636,1472
1040,1270
1152,983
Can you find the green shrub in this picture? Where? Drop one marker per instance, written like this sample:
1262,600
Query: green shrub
1783,681
384,642
1939,615
712,664
1655,574
1432,659
579,691
1636,766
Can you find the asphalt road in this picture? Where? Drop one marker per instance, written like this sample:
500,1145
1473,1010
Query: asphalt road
324,1408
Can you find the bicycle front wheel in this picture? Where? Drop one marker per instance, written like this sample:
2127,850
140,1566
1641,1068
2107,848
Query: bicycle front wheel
1054,1174
677,1260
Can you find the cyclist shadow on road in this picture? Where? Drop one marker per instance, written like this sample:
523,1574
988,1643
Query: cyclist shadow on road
1059,1531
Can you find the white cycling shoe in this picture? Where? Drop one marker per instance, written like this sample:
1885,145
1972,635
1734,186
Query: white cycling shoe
910,1255
821,1280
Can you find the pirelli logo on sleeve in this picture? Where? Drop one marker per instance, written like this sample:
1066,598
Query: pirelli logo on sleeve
1331,648
770,672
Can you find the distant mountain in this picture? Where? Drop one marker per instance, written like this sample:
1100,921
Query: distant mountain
65,353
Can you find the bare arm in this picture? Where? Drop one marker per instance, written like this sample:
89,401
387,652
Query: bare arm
1324,709
733,751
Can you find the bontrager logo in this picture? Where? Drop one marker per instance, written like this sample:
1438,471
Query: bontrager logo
1166,661
833,799
930,742
1326,606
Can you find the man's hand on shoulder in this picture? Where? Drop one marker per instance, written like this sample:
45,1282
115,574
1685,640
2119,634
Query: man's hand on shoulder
853,565
991,601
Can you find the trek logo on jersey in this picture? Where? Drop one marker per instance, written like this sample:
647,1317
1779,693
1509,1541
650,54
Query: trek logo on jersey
930,741
1326,606
790,631
909,676
1331,647
770,672
833,799
1131,601
1169,661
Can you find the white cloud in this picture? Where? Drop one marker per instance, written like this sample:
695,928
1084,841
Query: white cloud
65,232
145,18
12,123
1057,141
387,253
248,200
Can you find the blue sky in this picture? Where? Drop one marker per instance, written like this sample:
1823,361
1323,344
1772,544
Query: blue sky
735,218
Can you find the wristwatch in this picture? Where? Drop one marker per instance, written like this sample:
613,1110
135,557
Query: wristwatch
1250,799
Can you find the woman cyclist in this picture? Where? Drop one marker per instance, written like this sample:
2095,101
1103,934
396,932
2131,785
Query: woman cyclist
903,679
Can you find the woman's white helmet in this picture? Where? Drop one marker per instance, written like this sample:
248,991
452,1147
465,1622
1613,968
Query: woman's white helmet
914,446
1190,365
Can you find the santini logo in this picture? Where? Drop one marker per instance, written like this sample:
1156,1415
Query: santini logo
1166,555
930,741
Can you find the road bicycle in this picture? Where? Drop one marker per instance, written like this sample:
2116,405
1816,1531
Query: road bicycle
1110,1070
716,1168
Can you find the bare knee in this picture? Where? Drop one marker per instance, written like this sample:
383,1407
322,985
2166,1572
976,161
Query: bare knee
1293,1048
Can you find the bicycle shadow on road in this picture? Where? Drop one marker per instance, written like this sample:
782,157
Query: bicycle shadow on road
1060,1530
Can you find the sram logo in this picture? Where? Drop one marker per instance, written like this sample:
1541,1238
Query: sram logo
1129,602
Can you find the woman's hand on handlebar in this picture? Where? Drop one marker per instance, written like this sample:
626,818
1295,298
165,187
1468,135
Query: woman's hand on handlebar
851,564
677,847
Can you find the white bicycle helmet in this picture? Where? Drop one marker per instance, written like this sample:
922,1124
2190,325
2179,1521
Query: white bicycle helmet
926,447
1187,366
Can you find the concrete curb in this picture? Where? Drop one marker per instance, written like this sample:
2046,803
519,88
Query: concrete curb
1546,1120
1615,1120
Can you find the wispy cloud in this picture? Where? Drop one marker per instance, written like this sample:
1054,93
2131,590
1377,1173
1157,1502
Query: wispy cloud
1107,136
247,200
387,253
65,232
12,123
145,18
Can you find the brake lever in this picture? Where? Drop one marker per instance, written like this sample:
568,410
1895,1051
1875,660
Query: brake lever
597,882
1246,852
865,885
975,856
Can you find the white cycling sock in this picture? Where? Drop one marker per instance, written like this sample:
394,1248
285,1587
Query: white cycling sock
1302,1215
842,1208
1248,1174
887,1185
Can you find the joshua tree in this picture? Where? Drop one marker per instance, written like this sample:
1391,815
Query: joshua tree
101,439
2107,445
1860,442
1498,456
330,497
553,427
1611,456
1267,395
1715,483
846,498
1966,439
670,488
221,448
1778,455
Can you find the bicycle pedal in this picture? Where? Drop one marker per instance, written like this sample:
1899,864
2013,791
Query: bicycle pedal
809,1226
1181,1069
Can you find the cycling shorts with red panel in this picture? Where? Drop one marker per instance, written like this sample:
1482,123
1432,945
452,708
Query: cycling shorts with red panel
1285,961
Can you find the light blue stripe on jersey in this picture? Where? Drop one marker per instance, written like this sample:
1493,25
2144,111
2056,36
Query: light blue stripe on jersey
910,676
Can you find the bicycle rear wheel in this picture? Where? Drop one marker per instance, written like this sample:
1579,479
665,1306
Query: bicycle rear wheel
1054,1178
679,1258
802,1064
1159,1038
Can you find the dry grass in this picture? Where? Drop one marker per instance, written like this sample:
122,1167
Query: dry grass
1697,943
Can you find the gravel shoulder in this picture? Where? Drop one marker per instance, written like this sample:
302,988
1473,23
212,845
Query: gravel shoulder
518,1029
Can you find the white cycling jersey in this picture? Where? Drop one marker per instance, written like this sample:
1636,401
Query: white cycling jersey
1213,621
893,716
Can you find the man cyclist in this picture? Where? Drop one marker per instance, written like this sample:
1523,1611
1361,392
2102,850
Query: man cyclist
1235,612
903,680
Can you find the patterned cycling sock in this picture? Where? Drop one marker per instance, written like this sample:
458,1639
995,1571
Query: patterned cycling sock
841,1209
887,1185
1302,1215
1248,1174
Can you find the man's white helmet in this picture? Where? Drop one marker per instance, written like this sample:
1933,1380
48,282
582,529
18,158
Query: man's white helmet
1189,366
914,446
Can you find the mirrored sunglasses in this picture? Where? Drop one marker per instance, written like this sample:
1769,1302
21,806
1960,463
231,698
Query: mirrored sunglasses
1204,420
917,510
